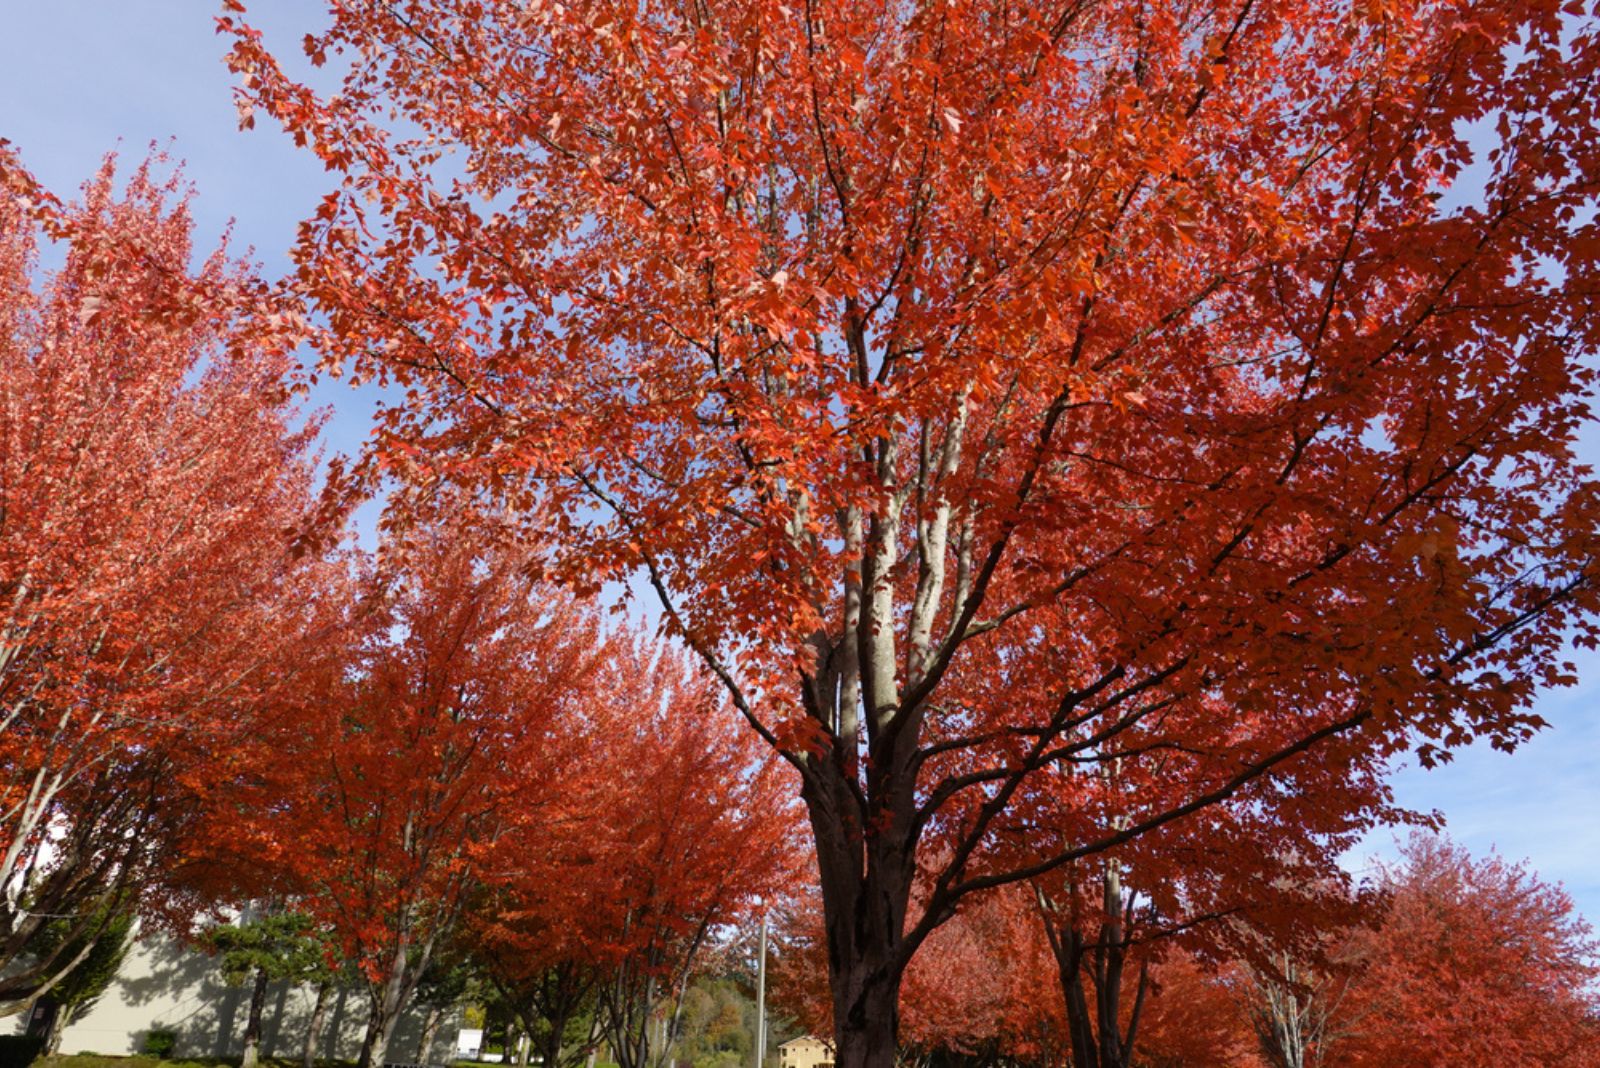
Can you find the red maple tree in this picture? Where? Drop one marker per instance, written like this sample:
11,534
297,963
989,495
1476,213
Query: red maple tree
154,473
1193,1018
1475,963
993,391
674,825
431,735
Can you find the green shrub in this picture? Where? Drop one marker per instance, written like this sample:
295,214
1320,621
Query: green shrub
159,1042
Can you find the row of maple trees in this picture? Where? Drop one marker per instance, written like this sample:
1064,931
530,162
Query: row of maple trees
1063,429
431,761
1439,960
213,703
1080,445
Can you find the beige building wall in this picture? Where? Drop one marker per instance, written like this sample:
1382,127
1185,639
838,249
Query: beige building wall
165,985
805,1052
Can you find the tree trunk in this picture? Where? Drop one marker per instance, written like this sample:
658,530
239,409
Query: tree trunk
868,1036
524,1048
1068,951
1281,1017
58,1024
555,999
430,1031
252,1026
864,813
1110,954
550,1047
319,1016
380,1024
389,999
864,911
1098,1038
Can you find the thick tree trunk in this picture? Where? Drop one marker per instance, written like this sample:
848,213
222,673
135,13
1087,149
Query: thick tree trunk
252,1025
864,907
375,1045
1068,950
550,1046
430,1031
868,1036
390,998
319,1016
1104,1043
863,814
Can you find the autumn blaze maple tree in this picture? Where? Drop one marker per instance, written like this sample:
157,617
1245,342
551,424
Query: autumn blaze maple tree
479,764
1237,882
1442,959
674,825
369,801
990,391
980,987
153,470
707,824
1457,961
979,993
1476,962
1192,1018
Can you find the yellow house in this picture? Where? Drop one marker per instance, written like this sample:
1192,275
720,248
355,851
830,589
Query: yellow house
805,1052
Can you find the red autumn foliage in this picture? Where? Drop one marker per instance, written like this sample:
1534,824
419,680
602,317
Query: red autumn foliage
986,993
482,763
674,825
434,731
1193,1019
991,391
983,986
1259,874
153,475
1477,963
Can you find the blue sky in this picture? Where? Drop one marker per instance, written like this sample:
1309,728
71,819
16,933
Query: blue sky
81,77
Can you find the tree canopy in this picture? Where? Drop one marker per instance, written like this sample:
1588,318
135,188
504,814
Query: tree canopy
1074,451
993,394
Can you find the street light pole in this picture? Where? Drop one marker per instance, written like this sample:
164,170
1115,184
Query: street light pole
761,995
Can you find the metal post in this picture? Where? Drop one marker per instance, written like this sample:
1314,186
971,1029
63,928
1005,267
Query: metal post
761,996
